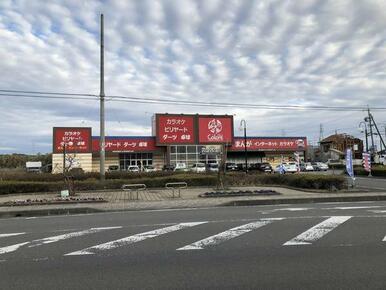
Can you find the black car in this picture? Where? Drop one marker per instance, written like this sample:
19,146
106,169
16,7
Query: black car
264,167
168,168
229,166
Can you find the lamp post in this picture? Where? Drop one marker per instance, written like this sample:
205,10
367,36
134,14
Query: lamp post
365,131
243,125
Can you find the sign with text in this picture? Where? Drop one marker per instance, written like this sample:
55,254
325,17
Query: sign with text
270,144
125,144
215,129
73,139
175,129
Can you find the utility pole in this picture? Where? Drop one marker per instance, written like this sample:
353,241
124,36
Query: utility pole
243,122
102,110
321,133
371,132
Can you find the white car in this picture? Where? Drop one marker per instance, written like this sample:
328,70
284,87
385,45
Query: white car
181,167
308,167
322,166
133,168
148,168
291,167
198,167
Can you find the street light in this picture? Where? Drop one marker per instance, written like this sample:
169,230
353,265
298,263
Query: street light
243,124
365,131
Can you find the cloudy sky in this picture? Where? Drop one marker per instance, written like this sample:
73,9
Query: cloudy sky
262,52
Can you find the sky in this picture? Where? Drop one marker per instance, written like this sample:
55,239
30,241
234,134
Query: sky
309,52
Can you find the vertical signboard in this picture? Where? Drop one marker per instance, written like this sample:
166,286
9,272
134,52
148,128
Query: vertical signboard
349,164
75,139
175,129
215,129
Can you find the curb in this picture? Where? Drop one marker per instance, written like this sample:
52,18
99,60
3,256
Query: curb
48,212
305,200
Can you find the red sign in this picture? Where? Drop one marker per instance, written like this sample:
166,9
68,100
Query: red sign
215,129
125,144
74,139
175,129
257,144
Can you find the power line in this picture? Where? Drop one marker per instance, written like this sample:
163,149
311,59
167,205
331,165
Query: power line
57,95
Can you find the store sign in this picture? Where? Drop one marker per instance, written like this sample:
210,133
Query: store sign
122,144
72,139
211,149
277,144
215,129
175,129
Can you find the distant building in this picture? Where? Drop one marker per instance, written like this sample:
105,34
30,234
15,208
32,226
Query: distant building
334,146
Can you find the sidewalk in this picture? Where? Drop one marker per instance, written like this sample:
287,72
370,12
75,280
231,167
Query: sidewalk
163,199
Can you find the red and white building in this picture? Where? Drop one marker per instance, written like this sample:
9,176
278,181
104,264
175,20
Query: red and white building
176,138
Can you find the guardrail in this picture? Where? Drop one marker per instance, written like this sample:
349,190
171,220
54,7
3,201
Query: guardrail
176,185
131,187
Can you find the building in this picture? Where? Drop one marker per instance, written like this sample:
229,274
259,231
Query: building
334,146
176,138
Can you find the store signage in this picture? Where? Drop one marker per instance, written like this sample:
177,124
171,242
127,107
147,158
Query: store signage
277,144
125,144
215,129
211,149
175,129
71,139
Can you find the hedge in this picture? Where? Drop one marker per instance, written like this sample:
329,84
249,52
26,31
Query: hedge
379,171
312,181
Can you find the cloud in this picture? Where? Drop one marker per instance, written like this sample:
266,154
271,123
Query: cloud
261,52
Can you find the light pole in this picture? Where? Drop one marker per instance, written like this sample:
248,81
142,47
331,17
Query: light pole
243,124
365,131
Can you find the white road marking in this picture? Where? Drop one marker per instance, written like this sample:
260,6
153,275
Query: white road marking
133,239
53,239
354,207
12,248
316,232
227,235
377,211
10,235
384,239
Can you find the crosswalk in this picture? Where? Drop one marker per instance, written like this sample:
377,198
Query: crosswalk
322,227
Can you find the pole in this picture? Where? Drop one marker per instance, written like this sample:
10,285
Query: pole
64,158
367,142
371,133
102,110
245,147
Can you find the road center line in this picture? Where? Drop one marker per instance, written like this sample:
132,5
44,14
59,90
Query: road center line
227,235
316,232
133,239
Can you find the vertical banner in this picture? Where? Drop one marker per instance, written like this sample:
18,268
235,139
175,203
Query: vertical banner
297,159
349,164
366,161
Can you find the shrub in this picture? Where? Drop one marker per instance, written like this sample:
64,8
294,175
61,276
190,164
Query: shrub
379,171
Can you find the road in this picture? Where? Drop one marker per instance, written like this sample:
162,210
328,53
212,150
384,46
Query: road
310,246
371,183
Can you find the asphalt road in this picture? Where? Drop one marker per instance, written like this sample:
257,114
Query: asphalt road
312,246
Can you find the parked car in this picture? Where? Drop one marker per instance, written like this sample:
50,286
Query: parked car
133,168
308,167
213,167
230,166
264,167
113,168
281,168
322,166
149,168
168,168
181,167
252,166
291,167
315,166
198,167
